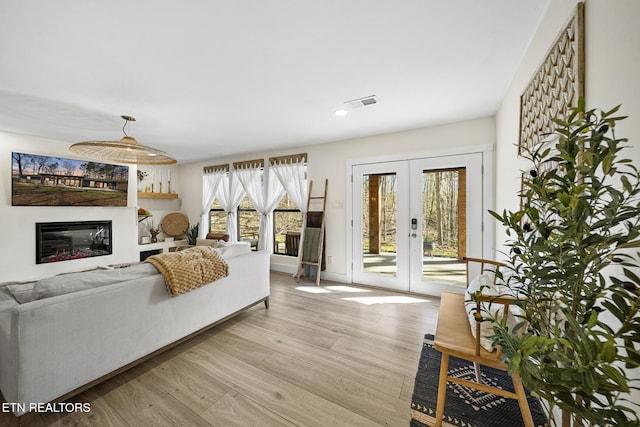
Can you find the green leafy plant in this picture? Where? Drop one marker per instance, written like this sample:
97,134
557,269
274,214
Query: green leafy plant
192,234
574,264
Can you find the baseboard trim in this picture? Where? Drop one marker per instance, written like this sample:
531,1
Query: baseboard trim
325,275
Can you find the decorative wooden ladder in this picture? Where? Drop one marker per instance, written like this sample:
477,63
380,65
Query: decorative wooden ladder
301,258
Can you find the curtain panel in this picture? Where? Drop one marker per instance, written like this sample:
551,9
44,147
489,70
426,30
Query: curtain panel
265,191
211,179
291,171
230,194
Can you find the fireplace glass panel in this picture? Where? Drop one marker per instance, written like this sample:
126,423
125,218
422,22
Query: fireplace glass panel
63,241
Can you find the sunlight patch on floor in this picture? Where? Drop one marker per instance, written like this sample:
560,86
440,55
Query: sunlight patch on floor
330,289
395,299
313,289
390,299
346,289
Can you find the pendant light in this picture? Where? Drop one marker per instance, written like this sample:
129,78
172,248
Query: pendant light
126,150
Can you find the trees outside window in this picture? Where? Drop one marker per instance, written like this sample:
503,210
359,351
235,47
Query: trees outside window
287,218
217,219
248,221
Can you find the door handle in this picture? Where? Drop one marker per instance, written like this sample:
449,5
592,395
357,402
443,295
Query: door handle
414,235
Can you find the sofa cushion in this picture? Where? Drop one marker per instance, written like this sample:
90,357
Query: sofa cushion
22,292
214,243
16,291
231,250
74,282
5,293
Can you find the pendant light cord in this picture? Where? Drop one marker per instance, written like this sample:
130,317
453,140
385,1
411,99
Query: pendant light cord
127,119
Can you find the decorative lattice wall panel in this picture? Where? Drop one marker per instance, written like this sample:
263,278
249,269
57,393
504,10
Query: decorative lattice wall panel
556,85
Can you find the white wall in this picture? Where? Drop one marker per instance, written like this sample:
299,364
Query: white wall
325,161
612,55
329,160
612,66
158,208
17,223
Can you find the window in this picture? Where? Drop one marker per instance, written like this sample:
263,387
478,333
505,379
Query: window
287,224
248,222
217,219
286,218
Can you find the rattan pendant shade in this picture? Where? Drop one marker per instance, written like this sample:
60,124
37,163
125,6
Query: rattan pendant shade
127,150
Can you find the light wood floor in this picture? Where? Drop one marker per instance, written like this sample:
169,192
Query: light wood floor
339,358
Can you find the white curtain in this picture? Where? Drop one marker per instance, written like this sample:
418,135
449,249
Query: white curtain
293,177
230,194
264,191
210,182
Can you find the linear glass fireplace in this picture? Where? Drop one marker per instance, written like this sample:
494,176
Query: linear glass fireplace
63,241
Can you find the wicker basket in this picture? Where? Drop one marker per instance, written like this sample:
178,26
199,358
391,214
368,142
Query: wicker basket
175,224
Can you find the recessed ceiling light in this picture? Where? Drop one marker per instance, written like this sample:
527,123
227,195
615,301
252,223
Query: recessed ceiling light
341,112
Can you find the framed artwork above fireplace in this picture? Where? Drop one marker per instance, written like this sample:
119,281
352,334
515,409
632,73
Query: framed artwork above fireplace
38,180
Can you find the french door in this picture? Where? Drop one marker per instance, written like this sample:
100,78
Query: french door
414,221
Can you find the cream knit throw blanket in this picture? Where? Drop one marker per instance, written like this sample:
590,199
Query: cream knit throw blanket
190,269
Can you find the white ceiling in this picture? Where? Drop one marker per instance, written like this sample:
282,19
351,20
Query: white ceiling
210,78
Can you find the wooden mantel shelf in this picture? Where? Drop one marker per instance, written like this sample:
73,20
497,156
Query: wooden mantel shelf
144,195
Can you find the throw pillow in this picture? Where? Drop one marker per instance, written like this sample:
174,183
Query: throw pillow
491,312
230,250
21,291
74,282
209,242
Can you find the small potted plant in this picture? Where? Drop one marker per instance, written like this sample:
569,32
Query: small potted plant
192,234
154,234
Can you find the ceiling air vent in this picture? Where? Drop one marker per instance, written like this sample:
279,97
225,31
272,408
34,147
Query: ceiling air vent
362,102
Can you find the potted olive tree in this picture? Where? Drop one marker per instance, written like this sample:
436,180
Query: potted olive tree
574,263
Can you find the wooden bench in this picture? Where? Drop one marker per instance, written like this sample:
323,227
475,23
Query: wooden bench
454,338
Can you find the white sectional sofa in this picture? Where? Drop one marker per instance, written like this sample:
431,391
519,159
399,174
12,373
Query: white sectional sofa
54,347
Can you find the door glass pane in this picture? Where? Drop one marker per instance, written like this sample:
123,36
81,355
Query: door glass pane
379,212
444,225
